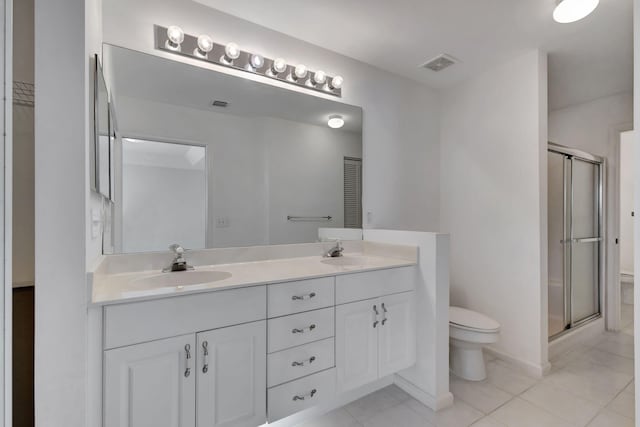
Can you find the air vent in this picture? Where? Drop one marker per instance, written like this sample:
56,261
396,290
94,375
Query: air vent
221,104
440,62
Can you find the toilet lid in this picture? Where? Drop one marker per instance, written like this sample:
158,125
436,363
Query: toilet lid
471,319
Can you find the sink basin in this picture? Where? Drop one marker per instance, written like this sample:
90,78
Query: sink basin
343,261
180,278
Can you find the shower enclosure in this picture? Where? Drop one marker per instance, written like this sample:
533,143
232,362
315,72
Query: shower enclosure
575,221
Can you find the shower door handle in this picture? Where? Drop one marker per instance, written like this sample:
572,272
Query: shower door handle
588,240
582,240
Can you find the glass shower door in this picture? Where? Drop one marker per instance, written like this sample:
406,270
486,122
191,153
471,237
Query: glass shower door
574,235
585,240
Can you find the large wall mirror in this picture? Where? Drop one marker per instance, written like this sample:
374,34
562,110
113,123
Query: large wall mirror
211,160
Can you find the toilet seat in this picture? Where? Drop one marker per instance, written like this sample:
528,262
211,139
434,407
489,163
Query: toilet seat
473,321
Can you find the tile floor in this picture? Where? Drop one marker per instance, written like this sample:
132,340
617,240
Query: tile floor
590,385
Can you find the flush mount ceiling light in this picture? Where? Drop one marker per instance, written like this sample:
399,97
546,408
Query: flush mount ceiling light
173,40
335,121
573,10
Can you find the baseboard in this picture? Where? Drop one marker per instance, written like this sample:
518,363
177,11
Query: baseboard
427,399
339,401
531,369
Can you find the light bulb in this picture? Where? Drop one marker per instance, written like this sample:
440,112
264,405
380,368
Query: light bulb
336,82
573,10
335,121
319,77
300,72
231,52
175,37
205,45
257,61
279,66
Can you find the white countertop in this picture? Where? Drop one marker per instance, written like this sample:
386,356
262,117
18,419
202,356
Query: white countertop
122,287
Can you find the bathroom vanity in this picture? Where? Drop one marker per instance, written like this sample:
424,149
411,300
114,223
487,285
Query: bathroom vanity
244,350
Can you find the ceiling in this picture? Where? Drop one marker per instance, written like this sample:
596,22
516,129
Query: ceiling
152,78
587,59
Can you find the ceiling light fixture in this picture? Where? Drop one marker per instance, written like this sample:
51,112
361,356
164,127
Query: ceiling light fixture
319,77
335,121
257,61
568,11
300,72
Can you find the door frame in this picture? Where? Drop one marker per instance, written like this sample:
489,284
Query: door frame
614,292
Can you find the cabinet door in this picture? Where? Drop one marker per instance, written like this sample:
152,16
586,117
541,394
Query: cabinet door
151,384
397,333
232,377
357,344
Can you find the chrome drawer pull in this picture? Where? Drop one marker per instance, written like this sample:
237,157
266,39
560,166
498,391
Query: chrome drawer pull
302,330
310,360
187,349
375,322
303,297
384,314
305,396
205,348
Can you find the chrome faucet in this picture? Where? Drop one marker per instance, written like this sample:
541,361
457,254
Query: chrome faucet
178,263
335,251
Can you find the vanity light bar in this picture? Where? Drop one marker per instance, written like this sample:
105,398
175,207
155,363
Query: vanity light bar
202,48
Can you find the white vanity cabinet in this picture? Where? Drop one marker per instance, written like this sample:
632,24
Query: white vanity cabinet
241,357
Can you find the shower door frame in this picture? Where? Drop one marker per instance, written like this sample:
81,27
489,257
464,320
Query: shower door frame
570,240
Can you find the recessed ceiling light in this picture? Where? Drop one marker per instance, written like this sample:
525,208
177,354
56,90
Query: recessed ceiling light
573,10
335,121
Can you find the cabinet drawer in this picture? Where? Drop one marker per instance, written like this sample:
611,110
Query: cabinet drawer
137,322
373,284
299,361
304,295
297,329
289,398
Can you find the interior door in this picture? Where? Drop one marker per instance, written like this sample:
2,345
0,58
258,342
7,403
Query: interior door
357,343
232,377
151,384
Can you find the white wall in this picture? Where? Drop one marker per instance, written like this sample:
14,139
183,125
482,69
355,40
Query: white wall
493,201
636,156
401,126
62,203
627,172
260,169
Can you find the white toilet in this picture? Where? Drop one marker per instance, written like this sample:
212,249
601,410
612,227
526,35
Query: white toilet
469,331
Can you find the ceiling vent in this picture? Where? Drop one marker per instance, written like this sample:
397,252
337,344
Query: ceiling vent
221,104
440,62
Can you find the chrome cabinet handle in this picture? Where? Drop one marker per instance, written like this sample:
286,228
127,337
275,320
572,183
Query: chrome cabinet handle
187,349
375,311
302,330
305,396
303,297
304,362
205,350
384,314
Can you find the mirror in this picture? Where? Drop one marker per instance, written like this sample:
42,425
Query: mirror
101,177
211,160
